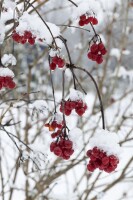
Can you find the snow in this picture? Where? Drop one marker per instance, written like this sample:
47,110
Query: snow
8,59
6,72
40,106
75,136
106,141
9,4
123,73
75,95
2,32
115,52
58,118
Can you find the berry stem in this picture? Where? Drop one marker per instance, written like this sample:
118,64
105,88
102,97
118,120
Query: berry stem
70,60
98,92
93,28
51,79
63,96
69,26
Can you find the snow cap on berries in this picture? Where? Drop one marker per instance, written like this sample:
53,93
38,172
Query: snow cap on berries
85,7
4,72
106,141
58,118
75,95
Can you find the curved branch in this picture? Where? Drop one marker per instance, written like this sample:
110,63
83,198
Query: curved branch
97,89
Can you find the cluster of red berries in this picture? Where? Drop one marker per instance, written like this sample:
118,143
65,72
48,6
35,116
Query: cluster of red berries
96,52
99,159
79,106
62,148
53,125
7,82
27,37
85,19
57,61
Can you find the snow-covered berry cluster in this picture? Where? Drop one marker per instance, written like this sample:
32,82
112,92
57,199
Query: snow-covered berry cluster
57,62
97,50
62,148
74,102
99,159
67,106
105,151
26,37
86,19
6,78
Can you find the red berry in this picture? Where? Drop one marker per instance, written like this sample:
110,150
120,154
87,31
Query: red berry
94,21
52,66
83,17
23,40
55,60
103,51
105,160
91,167
66,157
11,85
94,48
101,46
79,104
61,63
91,19
67,112
95,150
68,144
27,34
94,57
81,23
31,40
59,126
57,151
93,158
99,59
87,21
89,153
80,111
52,146
16,37
0,85
72,105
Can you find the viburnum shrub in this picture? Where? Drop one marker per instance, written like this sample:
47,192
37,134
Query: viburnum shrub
32,28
